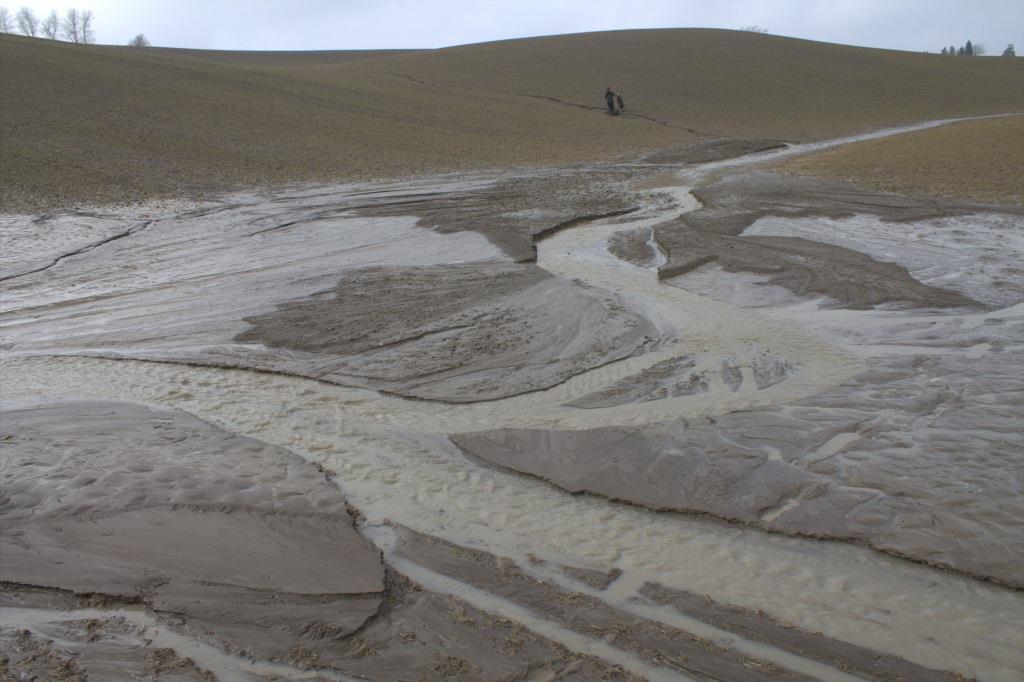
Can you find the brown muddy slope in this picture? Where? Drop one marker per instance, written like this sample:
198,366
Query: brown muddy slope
458,333
278,57
712,150
970,161
713,233
726,83
108,124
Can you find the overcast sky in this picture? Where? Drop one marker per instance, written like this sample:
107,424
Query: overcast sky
916,25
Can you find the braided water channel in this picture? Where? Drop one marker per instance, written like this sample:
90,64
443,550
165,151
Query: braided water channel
395,464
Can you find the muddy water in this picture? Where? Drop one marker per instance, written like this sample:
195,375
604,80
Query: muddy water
394,462
847,592
151,633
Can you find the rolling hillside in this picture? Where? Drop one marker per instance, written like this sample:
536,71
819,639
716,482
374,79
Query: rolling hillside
102,124
730,83
277,57
980,160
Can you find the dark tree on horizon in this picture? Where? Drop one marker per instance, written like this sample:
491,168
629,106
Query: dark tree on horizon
969,49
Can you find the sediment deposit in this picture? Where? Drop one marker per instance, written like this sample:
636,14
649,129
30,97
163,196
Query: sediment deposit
458,333
578,422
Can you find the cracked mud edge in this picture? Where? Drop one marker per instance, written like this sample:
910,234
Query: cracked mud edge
46,604
202,211
83,249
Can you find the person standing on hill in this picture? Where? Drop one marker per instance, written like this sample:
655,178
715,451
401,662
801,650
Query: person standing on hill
618,98
609,97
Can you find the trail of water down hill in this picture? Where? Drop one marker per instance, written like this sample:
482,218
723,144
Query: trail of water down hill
149,633
395,464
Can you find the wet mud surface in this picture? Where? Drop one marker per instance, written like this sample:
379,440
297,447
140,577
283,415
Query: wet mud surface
882,461
806,268
727,376
757,626
462,333
655,643
712,150
714,234
126,501
65,646
109,505
690,375
514,212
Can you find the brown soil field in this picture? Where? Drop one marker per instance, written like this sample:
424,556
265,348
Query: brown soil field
729,83
979,160
277,57
105,124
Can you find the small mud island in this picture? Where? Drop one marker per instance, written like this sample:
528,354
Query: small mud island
735,396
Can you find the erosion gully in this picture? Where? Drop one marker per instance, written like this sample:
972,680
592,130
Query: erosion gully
395,464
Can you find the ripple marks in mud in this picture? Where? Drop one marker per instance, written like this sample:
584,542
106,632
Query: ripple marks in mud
929,617
459,333
126,501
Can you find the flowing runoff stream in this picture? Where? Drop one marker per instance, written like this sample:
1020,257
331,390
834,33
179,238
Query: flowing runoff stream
395,463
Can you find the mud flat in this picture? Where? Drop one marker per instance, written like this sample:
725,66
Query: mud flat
114,506
458,333
596,464
837,464
427,313
715,233
125,501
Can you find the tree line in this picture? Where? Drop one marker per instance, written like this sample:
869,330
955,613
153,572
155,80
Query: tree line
75,26
974,50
